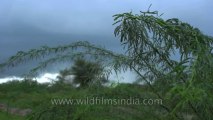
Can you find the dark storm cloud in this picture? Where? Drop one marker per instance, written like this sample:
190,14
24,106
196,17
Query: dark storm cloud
26,24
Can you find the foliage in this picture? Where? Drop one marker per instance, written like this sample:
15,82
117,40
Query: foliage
85,73
26,85
150,39
5,116
43,109
185,84
69,52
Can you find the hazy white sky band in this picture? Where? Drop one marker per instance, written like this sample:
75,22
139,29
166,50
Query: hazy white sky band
125,77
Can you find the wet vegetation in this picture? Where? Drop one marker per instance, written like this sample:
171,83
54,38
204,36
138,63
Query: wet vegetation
184,84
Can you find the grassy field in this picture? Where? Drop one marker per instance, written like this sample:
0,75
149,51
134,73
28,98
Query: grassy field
40,97
5,116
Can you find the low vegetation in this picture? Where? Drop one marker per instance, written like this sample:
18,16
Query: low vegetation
40,99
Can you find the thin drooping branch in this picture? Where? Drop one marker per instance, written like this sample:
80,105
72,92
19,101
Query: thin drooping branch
116,62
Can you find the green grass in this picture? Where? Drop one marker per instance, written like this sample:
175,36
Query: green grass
38,98
5,116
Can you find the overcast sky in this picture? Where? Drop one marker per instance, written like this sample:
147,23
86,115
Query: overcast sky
26,24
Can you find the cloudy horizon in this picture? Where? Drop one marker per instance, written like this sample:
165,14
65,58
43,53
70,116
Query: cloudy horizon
27,24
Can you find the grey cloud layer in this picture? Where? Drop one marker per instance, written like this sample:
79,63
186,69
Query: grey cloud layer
26,24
